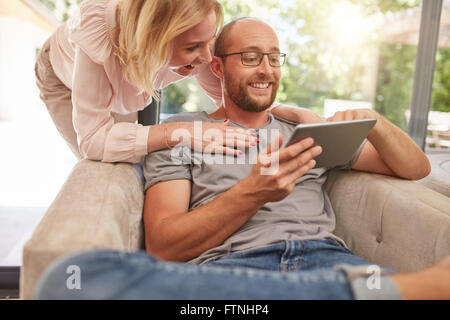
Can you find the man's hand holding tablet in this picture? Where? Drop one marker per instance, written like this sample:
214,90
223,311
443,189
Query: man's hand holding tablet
340,137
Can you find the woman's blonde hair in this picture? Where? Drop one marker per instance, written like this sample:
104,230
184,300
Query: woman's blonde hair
147,28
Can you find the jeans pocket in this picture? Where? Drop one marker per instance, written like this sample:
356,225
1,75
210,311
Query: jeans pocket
336,243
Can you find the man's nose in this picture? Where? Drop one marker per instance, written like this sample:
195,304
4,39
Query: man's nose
265,67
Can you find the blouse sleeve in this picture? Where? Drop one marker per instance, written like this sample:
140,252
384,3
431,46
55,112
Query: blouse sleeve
98,137
210,83
89,30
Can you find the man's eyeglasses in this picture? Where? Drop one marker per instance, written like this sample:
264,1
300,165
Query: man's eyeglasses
254,59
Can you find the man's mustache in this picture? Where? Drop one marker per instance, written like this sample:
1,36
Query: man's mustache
263,79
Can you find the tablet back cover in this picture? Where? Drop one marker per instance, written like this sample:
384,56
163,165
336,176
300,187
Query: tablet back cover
339,140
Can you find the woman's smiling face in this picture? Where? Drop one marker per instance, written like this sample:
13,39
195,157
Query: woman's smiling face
194,46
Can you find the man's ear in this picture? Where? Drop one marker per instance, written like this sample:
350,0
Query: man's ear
217,67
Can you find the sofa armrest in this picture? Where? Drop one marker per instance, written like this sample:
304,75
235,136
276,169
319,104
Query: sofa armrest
439,178
389,221
99,207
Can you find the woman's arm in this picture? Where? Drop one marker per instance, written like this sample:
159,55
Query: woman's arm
201,136
99,138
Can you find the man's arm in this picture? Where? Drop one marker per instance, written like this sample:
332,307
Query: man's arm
173,233
295,114
389,150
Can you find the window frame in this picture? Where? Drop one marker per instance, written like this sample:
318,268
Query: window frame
425,68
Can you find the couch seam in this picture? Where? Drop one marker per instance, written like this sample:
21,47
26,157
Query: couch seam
380,231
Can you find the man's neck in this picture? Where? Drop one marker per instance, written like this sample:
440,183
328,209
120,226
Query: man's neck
252,120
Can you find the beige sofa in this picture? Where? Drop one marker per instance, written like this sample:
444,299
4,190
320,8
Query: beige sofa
392,222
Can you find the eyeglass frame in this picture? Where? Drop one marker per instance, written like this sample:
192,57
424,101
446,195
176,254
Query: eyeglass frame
283,55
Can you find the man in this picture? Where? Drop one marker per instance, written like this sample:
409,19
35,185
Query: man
215,209
260,226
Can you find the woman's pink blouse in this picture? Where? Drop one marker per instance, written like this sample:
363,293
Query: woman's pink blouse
81,53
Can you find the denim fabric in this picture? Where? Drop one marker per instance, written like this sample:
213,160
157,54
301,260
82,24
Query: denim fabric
139,169
286,270
289,256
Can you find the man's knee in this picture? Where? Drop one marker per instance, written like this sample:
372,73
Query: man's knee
67,277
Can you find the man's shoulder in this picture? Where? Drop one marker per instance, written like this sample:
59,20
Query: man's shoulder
285,121
186,117
304,116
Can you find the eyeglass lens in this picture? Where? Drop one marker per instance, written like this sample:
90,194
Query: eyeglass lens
255,58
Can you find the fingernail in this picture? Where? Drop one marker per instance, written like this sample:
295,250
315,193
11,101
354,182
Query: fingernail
257,140
226,120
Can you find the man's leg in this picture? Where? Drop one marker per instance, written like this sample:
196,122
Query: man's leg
367,281
120,275
305,256
326,253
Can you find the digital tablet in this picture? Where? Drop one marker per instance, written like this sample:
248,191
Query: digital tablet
339,140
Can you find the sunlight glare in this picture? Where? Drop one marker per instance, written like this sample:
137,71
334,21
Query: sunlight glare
351,26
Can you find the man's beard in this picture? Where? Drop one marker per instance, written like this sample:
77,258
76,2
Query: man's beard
237,92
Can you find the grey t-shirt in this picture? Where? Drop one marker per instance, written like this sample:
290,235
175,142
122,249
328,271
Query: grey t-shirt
306,214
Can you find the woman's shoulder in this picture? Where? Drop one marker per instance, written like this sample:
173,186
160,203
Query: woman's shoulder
91,28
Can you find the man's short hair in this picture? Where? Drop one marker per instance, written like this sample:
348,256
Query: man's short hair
221,41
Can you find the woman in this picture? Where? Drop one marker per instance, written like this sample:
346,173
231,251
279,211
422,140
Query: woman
108,62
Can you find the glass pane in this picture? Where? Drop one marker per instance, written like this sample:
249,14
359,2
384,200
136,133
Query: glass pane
399,37
35,160
438,135
185,96
342,54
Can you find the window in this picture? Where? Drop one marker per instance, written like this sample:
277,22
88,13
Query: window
438,129
341,54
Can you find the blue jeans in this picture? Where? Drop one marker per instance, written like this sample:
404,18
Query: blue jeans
139,169
286,270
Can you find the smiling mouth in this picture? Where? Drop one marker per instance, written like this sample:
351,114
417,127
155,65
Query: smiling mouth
260,85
